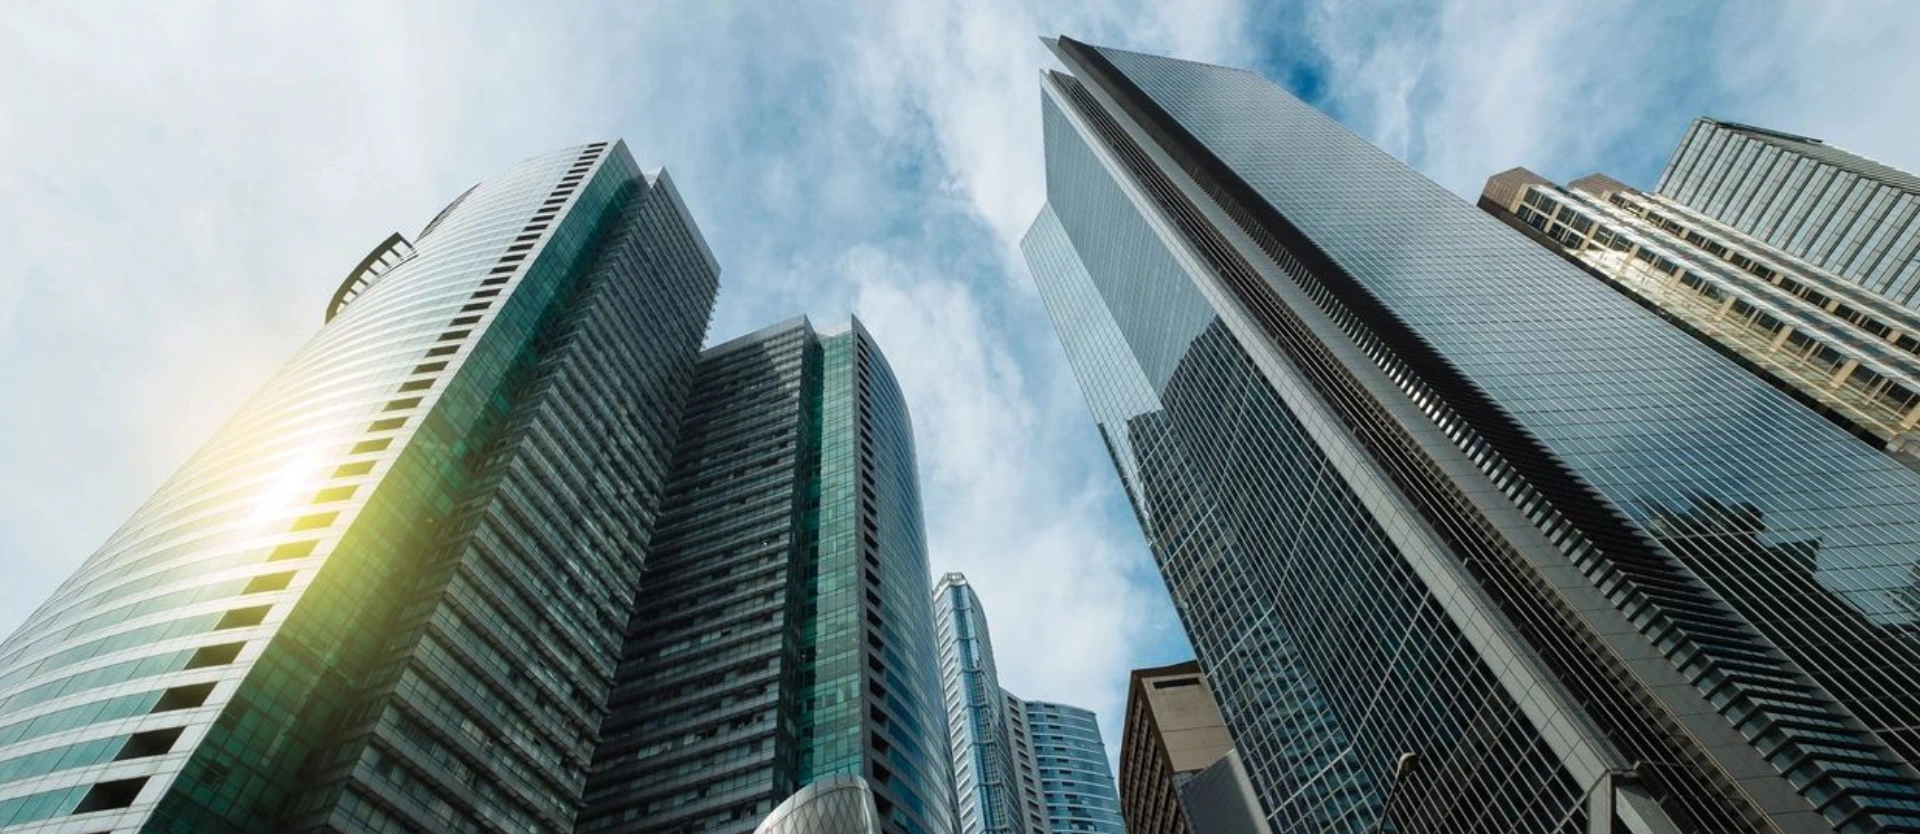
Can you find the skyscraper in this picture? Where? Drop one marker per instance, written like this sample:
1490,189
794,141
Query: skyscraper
1076,784
1510,548
785,633
1837,210
986,757
1019,766
1848,352
388,595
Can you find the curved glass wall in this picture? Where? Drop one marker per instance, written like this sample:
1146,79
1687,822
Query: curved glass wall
1075,779
875,682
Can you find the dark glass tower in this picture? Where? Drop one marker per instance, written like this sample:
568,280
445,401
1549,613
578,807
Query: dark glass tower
785,633
1513,553
390,593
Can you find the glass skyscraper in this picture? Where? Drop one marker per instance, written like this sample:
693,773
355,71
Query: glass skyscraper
987,759
1076,784
389,593
1019,767
1835,209
784,634
502,549
1465,540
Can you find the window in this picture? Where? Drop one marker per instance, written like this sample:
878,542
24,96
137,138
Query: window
314,522
220,655
149,743
106,796
183,697
292,550
268,582
242,617
332,494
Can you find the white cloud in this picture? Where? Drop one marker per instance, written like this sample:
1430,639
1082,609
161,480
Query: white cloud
1467,88
1031,528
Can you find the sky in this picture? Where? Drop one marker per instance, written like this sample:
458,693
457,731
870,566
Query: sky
182,186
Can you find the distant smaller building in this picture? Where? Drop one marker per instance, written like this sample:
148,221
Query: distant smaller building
1179,773
1075,782
1019,767
1842,212
1849,352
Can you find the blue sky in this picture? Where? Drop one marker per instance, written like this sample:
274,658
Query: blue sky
186,185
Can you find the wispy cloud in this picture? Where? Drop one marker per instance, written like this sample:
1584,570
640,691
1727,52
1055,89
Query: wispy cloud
1466,88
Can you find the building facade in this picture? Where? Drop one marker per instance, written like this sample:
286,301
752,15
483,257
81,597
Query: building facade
986,757
1033,801
1848,352
1842,212
388,595
785,633
1173,732
1076,784
1179,773
1464,539
1019,766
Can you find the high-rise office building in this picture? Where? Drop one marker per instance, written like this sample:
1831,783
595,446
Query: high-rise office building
1019,766
1530,557
389,594
1076,784
986,757
785,634
1848,352
1837,210
1032,801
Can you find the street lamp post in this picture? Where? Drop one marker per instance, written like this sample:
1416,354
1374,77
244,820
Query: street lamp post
1401,768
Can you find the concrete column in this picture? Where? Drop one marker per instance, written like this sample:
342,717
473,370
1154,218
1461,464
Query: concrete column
1841,375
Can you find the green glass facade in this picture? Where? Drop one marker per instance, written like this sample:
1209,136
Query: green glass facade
388,594
785,635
